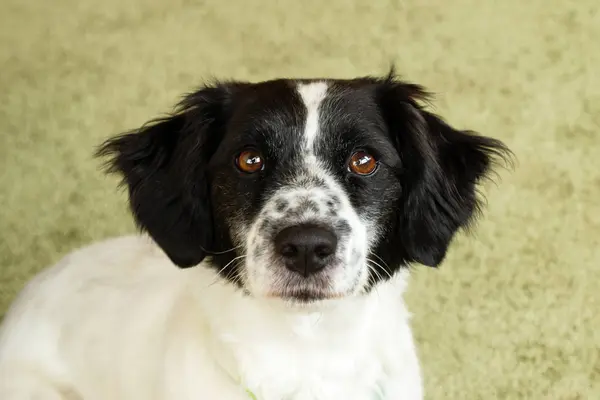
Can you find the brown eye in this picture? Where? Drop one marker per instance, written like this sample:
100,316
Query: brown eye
362,163
249,161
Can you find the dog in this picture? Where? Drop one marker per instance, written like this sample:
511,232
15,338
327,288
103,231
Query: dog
293,209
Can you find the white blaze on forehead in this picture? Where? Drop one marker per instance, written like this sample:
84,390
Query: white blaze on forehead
312,95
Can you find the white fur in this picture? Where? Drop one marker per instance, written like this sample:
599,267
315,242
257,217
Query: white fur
312,95
117,320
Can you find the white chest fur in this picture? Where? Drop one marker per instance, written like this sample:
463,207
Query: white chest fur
358,348
116,320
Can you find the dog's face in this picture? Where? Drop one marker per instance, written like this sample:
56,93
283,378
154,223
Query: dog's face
303,189
301,181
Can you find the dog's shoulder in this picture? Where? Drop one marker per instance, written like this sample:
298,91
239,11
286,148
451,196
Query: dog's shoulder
113,260
108,300
88,282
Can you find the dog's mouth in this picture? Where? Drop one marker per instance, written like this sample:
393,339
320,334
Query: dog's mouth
299,290
305,296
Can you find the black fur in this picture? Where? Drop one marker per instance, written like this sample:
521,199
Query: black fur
164,168
185,192
441,169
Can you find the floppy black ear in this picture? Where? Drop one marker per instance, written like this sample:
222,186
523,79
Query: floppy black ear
442,167
447,197
163,165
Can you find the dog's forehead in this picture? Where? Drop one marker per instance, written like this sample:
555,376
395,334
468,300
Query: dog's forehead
303,111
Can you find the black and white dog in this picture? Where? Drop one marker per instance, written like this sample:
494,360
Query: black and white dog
299,203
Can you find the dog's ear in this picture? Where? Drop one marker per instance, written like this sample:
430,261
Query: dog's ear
442,167
163,165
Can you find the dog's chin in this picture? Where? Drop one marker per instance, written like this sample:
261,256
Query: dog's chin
302,294
305,297
293,289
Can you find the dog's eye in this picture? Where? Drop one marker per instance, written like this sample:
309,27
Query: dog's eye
362,163
249,161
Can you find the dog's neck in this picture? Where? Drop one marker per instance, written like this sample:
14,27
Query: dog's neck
254,338
237,309
237,316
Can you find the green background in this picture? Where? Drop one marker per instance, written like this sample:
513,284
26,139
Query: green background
513,312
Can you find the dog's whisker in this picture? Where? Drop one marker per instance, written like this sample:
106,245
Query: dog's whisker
234,275
374,287
380,266
374,271
380,259
225,267
216,253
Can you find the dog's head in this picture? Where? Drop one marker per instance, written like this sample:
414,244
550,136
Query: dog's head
303,189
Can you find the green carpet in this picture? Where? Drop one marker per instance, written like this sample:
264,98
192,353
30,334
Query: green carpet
514,311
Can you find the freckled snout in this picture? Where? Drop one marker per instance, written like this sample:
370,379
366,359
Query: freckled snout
306,249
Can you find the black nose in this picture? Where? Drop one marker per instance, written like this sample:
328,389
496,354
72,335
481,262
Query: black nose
306,249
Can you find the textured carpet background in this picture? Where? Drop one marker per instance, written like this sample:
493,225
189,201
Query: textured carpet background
513,313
